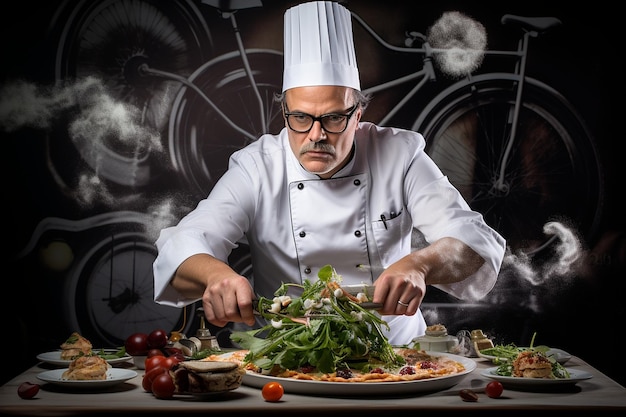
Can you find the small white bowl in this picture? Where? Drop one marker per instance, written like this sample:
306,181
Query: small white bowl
437,344
140,361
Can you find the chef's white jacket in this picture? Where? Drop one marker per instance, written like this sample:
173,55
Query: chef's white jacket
359,221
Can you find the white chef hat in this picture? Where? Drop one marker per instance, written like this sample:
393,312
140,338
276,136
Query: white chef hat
319,48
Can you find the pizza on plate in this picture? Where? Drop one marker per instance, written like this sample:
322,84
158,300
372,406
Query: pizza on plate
418,365
321,331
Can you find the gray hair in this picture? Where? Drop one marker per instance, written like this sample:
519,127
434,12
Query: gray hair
359,97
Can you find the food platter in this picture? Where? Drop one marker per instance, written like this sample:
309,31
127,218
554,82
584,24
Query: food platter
115,376
357,389
559,355
534,383
54,357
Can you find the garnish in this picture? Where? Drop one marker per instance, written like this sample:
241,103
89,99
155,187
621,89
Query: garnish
325,327
119,353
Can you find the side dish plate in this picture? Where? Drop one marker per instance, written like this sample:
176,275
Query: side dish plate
534,383
559,355
114,376
54,357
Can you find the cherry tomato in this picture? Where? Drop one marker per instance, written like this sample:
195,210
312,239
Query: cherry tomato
27,390
494,389
171,361
272,391
155,352
169,351
150,376
178,356
157,339
153,361
163,386
136,344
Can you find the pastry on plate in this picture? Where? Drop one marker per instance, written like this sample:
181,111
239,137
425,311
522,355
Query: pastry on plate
75,345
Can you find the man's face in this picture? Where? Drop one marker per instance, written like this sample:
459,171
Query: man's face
320,152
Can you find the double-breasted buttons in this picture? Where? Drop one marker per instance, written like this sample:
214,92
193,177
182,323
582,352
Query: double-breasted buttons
300,186
302,234
357,182
357,233
307,270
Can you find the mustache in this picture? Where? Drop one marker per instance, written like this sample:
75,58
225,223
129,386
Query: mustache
318,147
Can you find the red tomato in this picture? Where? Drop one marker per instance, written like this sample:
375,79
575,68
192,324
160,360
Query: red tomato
178,356
172,351
153,361
272,391
494,389
163,386
149,377
137,344
170,361
27,390
157,339
155,352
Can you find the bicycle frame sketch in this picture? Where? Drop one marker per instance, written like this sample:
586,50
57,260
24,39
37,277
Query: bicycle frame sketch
513,145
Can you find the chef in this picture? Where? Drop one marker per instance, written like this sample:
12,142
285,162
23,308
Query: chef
332,189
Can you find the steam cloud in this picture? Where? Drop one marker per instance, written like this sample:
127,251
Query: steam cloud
462,42
99,122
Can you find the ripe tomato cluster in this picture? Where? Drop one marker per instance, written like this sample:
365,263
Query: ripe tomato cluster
157,378
138,344
160,358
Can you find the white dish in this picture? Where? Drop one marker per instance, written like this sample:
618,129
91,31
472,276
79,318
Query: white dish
352,389
520,382
54,358
559,355
114,376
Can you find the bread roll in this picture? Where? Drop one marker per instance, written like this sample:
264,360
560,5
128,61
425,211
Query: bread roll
197,376
75,345
87,368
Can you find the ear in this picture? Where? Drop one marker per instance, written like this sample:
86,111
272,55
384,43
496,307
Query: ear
358,114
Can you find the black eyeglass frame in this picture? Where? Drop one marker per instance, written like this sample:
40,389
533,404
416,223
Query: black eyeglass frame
320,119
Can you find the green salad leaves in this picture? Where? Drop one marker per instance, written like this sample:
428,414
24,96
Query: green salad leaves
324,327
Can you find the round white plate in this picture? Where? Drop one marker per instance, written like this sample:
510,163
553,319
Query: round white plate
351,389
520,382
54,358
559,355
114,376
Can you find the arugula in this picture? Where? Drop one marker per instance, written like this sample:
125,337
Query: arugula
120,353
324,327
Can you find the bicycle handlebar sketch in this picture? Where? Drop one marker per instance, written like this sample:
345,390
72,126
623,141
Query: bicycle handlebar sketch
514,146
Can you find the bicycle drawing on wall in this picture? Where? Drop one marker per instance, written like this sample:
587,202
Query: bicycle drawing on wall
513,145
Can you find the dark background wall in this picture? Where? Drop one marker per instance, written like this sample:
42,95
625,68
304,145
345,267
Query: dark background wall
48,295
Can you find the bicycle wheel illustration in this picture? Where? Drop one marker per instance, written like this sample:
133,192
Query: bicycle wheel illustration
110,40
552,172
110,291
200,139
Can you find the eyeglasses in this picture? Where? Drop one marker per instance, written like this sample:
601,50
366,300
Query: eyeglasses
331,122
